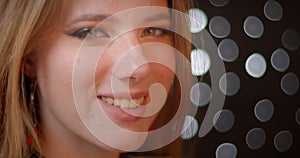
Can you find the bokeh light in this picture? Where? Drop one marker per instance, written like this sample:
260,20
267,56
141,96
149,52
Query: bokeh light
264,110
228,50
219,27
256,138
223,120
290,83
229,83
226,150
256,65
253,27
200,94
280,60
190,128
198,20
290,39
283,141
273,10
200,61
219,3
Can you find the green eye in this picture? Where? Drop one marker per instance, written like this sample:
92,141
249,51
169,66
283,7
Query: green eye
90,33
154,31
149,32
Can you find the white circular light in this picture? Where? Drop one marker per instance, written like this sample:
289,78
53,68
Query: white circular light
256,65
198,20
200,61
190,128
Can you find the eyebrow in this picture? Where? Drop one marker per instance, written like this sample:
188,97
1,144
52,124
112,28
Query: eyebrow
101,17
88,17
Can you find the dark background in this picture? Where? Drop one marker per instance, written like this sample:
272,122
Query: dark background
253,90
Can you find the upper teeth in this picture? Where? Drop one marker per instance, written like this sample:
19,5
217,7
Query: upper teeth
124,103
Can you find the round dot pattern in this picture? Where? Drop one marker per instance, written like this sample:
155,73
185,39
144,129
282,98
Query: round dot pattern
228,50
219,3
291,39
190,127
223,120
271,63
290,83
200,94
273,10
226,150
219,27
256,138
200,61
229,83
256,65
280,60
283,141
198,20
264,110
253,27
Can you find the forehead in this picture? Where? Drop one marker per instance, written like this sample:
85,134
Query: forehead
108,7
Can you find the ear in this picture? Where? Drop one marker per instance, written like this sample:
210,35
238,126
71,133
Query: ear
28,67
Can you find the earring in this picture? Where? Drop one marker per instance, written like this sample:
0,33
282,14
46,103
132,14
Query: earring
31,99
32,103
32,106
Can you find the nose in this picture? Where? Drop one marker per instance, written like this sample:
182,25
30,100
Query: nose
132,63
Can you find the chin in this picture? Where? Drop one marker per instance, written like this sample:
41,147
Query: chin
128,144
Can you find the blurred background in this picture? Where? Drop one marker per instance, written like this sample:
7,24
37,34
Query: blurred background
258,41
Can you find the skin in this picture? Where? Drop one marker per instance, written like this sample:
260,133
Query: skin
64,133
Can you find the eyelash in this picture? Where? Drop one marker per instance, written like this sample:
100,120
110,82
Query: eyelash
163,31
84,33
89,33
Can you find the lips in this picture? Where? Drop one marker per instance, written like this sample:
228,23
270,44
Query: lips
123,108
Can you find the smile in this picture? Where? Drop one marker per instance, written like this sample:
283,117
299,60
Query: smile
124,103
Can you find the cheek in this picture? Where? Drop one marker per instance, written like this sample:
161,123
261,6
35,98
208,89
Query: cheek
166,71
165,75
55,70
54,75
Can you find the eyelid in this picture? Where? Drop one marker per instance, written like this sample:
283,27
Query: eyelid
86,31
163,29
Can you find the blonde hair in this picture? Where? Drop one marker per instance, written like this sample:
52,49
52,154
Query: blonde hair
23,26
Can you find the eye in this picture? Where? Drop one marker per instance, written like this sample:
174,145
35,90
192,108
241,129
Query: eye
90,33
155,31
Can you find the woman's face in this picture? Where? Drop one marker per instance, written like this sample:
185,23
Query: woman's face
112,67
